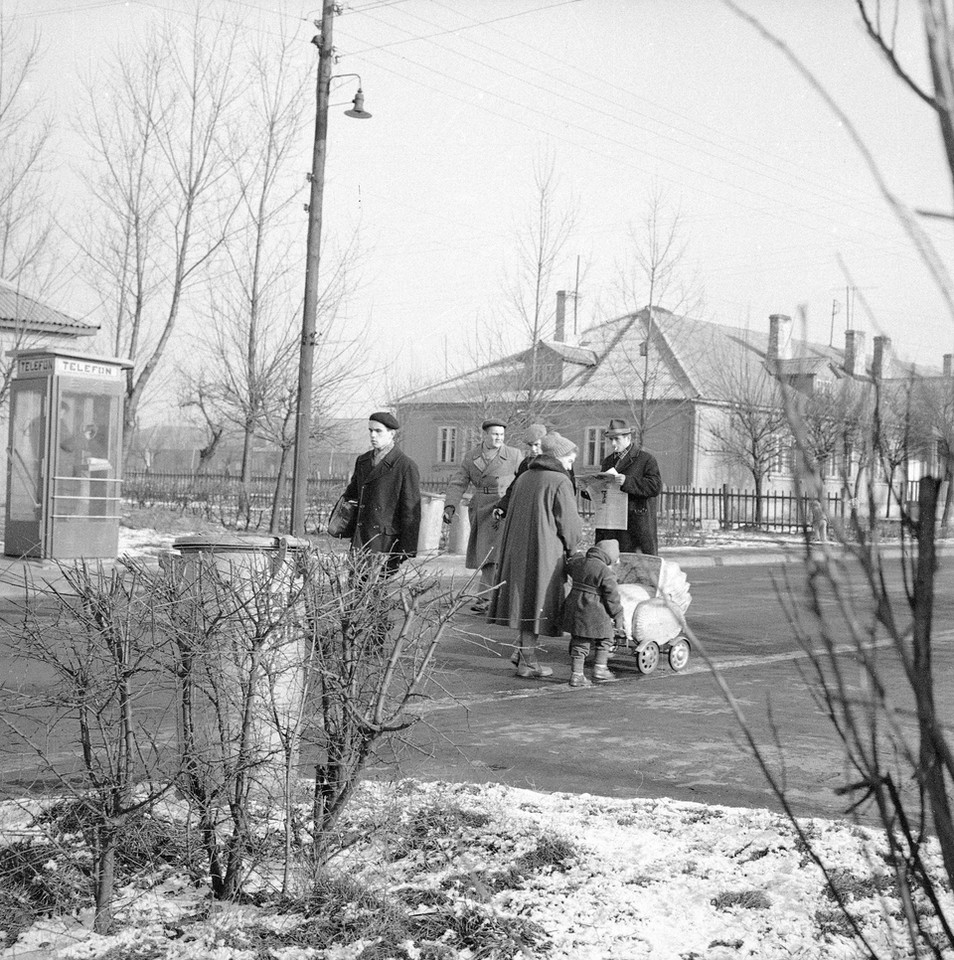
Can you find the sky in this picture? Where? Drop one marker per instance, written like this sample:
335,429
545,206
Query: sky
626,99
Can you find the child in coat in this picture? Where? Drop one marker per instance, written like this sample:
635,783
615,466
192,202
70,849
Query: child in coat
592,611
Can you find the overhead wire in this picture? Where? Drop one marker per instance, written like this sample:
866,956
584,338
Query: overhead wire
527,107
573,68
617,116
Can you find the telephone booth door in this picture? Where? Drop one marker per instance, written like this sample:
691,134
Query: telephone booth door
85,452
26,468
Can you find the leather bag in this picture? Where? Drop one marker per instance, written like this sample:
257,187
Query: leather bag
343,518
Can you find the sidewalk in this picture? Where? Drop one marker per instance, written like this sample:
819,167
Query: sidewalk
761,552
748,553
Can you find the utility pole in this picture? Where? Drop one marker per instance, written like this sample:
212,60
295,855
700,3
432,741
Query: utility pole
309,335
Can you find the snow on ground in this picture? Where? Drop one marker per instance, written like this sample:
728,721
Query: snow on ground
145,542
562,876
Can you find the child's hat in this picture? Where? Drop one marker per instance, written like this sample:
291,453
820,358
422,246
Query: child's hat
610,548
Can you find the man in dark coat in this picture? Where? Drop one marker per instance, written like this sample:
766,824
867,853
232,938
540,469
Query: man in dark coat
386,486
636,473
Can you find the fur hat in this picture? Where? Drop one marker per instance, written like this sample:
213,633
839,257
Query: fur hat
534,433
557,445
385,419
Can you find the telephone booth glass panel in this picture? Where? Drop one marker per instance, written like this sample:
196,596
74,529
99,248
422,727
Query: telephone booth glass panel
85,456
25,477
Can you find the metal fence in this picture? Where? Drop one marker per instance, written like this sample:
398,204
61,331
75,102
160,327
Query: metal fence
216,496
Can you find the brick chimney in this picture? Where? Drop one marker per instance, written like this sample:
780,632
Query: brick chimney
855,352
780,337
947,364
559,334
882,347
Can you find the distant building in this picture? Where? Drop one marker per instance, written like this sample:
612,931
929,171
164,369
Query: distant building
688,370
176,447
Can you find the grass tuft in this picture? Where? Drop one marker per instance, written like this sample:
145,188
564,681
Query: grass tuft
741,899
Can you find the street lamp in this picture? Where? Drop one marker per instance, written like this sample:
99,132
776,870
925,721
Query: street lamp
309,334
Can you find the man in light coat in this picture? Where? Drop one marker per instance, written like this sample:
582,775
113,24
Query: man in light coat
489,468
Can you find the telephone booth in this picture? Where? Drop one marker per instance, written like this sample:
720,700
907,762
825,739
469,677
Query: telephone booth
64,455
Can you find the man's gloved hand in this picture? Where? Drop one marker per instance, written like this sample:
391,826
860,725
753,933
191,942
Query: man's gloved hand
449,514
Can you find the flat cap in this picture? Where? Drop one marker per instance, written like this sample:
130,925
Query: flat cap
385,419
487,424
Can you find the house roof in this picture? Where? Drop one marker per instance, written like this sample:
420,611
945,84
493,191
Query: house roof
21,311
686,358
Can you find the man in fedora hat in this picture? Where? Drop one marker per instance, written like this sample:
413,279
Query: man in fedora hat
636,473
386,486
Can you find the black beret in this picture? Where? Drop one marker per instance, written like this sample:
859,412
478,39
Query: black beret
385,419
487,424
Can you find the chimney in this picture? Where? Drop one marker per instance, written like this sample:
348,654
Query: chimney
780,337
947,364
882,346
559,333
854,352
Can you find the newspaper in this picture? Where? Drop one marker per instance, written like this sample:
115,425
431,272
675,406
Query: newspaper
609,502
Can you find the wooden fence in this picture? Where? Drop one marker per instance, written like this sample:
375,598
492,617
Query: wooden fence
216,496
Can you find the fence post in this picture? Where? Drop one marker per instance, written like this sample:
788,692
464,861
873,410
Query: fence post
726,521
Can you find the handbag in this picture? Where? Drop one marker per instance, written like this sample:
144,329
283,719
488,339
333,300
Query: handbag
343,519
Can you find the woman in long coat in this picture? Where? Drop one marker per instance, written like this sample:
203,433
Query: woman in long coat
542,526
489,468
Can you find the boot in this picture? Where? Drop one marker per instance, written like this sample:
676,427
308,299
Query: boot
601,672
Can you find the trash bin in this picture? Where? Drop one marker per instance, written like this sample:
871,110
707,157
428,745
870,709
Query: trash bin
460,529
432,522
249,665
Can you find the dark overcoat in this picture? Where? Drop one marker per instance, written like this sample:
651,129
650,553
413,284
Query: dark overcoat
389,504
643,484
490,481
592,607
542,526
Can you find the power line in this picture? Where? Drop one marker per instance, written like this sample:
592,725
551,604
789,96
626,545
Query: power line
526,107
618,116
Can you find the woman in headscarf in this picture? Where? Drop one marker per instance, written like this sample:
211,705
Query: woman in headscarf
541,528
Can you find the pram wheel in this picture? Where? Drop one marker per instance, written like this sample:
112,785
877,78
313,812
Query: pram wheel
647,657
679,653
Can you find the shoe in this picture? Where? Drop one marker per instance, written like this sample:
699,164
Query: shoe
533,671
580,680
481,606
603,674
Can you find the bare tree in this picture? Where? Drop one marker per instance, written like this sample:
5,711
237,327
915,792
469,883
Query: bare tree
748,429
897,747
652,274
159,213
26,221
540,244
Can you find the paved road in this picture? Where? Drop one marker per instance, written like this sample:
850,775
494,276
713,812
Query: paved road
662,735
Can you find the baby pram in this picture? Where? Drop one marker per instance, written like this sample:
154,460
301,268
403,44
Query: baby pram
655,597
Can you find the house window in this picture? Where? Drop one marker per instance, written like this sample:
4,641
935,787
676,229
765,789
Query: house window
447,445
593,447
782,462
